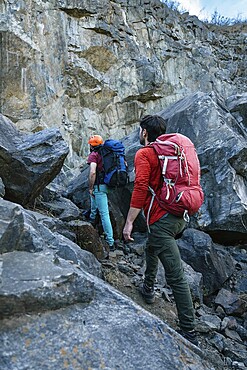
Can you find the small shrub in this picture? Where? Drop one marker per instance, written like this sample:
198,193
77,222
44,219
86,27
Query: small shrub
216,17
221,20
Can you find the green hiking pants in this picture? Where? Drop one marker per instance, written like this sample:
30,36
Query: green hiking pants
161,244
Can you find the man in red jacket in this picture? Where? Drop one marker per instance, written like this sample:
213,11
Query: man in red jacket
163,228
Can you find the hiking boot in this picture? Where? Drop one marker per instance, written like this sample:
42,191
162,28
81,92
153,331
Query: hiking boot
110,248
147,293
189,335
113,247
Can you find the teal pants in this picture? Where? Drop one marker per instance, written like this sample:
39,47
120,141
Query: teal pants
100,201
161,244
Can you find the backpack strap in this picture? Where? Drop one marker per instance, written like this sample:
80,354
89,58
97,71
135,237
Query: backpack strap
99,174
185,216
150,206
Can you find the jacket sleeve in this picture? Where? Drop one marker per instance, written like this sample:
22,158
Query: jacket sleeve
142,179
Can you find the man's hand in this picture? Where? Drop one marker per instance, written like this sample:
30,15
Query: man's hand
132,214
127,231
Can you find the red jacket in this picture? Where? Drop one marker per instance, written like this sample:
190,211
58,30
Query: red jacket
147,173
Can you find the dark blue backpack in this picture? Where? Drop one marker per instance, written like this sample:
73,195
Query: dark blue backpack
114,164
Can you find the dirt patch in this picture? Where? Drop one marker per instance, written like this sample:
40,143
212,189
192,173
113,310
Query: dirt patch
165,310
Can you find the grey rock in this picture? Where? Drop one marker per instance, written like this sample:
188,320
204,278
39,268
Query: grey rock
21,230
54,225
232,334
58,206
87,238
70,251
2,188
235,352
232,324
141,338
238,365
213,262
238,281
195,280
77,190
217,340
35,161
237,105
32,282
229,322
213,321
231,302
18,229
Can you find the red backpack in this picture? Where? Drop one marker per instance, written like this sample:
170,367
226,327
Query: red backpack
181,193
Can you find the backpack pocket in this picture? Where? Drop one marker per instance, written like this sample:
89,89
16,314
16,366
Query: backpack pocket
180,200
116,178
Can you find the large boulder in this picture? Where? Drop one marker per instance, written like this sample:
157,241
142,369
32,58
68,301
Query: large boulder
32,282
19,231
56,205
214,262
80,319
28,162
26,231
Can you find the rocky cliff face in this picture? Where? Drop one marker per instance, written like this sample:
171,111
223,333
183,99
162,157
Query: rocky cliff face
97,66
83,66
